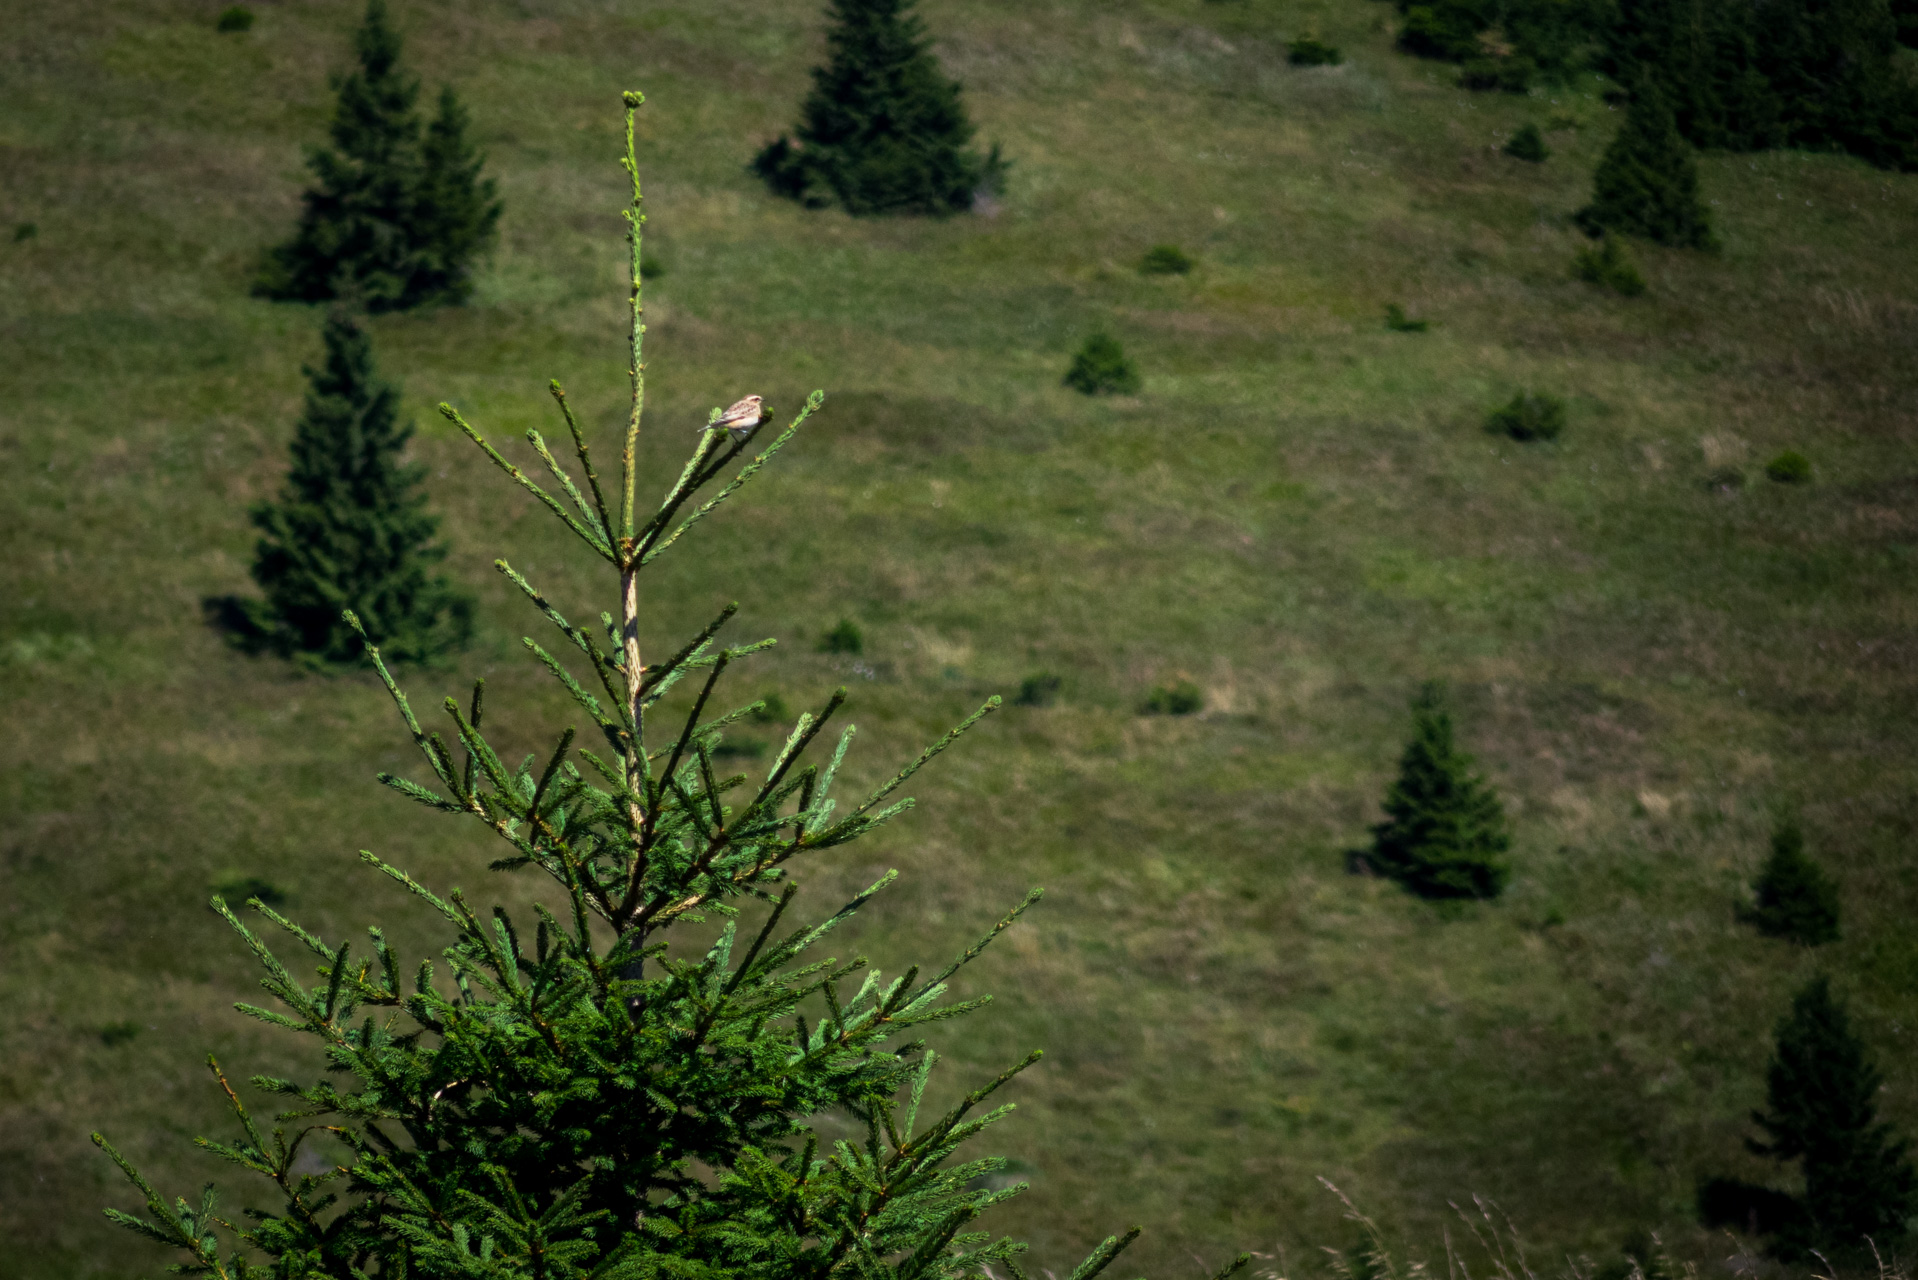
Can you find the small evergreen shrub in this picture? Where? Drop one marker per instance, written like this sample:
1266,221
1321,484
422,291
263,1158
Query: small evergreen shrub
1180,698
1527,144
1793,898
236,19
115,1034
1608,265
1646,183
1397,321
1444,32
1165,260
1101,368
1821,1089
1040,690
1529,416
844,638
651,268
245,888
25,231
1508,75
883,130
1308,52
1444,835
1789,467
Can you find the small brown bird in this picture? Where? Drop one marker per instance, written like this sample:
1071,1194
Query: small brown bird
742,419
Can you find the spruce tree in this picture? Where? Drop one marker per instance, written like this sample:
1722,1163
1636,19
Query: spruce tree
1647,181
350,528
392,221
1445,834
1821,1087
1795,899
592,1090
883,130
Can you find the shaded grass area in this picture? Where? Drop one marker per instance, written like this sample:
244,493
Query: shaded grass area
1300,513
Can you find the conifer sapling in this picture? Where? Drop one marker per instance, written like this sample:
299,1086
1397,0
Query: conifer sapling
1821,1090
349,529
884,130
1444,834
1646,183
586,1092
1795,899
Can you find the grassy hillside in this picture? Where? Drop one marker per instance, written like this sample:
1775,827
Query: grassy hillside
1300,512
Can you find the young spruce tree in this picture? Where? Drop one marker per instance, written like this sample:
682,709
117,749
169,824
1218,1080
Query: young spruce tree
1795,899
350,528
1444,836
392,221
1647,181
1821,1088
883,130
585,1092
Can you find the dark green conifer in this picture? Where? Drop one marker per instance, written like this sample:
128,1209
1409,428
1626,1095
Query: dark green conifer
1101,367
1821,1089
1527,144
1647,181
391,222
350,528
883,130
1445,834
1795,899
591,1092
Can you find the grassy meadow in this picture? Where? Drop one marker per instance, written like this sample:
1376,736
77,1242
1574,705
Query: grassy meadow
1300,512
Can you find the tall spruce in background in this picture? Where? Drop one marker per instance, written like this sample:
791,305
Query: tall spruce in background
587,1092
1794,898
1647,181
883,130
392,222
1445,834
1821,1088
350,528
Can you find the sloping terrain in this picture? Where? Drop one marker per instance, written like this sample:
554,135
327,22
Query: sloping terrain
1300,512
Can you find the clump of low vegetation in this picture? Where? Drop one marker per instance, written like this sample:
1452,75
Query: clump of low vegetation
1101,367
1179,698
25,231
845,638
245,888
1527,144
234,20
1166,260
1529,415
1512,74
1398,322
1444,835
1039,690
1609,265
1793,897
1308,51
1789,467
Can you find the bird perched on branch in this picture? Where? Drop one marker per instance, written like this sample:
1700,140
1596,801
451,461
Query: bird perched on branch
742,419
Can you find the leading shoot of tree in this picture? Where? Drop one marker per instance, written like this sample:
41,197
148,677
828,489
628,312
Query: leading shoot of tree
573,1094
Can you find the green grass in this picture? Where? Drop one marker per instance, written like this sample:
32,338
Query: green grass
1299,513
